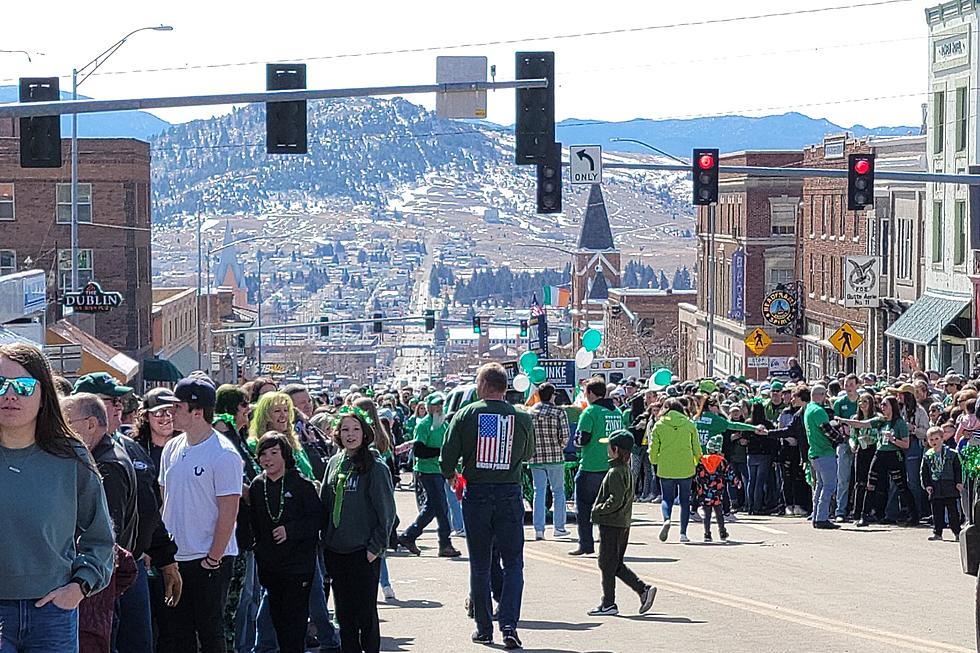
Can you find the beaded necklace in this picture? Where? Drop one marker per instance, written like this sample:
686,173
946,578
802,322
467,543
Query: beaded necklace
282,497
937,461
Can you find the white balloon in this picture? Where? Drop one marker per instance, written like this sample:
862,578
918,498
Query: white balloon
583,358
522,383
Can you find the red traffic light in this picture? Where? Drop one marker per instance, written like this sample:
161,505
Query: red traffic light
706,161
862,166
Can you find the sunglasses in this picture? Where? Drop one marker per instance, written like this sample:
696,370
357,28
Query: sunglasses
23,385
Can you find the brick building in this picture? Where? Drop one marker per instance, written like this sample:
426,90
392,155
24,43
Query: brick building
113,231
756,250
643,322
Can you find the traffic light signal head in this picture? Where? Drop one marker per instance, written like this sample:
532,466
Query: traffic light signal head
549,183
534,128
477,324
430,319
704,172
40,137
285,122
324,326
378,324
860,181
524,328
241,341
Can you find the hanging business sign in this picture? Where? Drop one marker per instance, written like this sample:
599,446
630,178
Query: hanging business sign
779,308
738,286
861,277
92,299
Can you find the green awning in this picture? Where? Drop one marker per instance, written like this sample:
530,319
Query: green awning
922,321
156,370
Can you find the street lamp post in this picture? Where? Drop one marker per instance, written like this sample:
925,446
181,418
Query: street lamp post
75,83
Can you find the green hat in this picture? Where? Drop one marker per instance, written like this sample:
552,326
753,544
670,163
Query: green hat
621,439
434,399
707,386
776,385
101,383
715,443
413,401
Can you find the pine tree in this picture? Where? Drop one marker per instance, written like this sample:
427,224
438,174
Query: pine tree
664,284
434,286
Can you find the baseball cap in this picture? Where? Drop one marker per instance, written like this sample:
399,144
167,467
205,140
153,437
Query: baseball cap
776,385
101,383
434,398
198,390
159,398
707,386
621,439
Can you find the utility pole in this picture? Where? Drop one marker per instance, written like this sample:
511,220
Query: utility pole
709,353
259,316
197,312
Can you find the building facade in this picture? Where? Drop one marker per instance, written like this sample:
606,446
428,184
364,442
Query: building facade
596,267
643,322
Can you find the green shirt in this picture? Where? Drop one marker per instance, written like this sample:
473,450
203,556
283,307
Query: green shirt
900,431
492,438
710,424
845,408
813,417
598,421
433,437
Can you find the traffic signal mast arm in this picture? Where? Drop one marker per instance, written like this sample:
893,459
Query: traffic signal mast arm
405,319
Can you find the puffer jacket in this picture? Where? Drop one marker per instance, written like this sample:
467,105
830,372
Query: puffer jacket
674,446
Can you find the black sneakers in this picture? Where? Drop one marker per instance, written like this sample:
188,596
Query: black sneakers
646,598
482,638
511,640
604,611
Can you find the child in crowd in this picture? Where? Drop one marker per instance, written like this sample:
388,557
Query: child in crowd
942,474
612,513
712,477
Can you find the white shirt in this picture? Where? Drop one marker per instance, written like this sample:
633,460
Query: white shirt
193,477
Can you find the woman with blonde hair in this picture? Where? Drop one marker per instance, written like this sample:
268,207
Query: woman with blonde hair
274,411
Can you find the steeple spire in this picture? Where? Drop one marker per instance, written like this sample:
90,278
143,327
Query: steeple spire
596,233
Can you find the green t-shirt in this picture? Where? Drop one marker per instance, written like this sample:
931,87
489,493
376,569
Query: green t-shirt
710,424
900,431
598,421
493,440
813,417
429,436
845,408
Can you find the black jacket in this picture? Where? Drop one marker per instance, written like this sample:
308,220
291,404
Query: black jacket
119,483
796,429
152,536
302,516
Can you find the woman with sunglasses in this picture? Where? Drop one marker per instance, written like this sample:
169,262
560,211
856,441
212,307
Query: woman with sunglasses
57,539
155,423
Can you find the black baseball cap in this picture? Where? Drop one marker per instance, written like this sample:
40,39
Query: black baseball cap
197,390
158,399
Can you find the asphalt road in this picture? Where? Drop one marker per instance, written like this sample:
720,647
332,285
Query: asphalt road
778,586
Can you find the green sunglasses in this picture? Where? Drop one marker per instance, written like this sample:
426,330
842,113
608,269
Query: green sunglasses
23,385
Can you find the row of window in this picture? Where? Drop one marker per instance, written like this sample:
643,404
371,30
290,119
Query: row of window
939,232
782,216
86,265
960,124
62,203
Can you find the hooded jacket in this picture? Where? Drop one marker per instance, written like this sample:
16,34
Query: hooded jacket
674,446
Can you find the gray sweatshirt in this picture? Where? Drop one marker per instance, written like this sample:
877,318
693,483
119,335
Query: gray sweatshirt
367,512
46,501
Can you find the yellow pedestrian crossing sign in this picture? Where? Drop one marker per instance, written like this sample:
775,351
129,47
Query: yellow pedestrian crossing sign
758,341
846,340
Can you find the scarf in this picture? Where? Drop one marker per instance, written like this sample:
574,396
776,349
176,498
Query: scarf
339,489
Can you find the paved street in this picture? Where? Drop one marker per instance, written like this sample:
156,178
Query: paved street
779,586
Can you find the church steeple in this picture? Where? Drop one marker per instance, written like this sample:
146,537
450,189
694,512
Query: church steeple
596,233
596,264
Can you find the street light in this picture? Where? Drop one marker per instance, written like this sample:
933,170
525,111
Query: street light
647,145
75,82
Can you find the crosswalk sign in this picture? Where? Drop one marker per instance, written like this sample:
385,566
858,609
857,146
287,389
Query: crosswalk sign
758,341
846,340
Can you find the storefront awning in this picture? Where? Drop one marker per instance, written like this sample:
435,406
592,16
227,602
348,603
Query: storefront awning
922,321
156,370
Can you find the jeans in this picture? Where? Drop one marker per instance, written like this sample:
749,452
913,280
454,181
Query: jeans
265,630
494,515
355,594
885,466
862,467
586,490
554,475
455,510
26,629
136,632
845,469
644,478
198,615
383,578
676,488
759,466
612,550
247,611
940,509
738,495
824,472
433,507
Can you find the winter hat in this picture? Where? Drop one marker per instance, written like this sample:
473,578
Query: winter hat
715,443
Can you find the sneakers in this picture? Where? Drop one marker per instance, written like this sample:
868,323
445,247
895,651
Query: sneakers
664,531
608,610
409,545
482,638
731,517
561,532
841,519
861,523
696,516
707,537
723,534
790,511
825,525
538,536
935,538
448,551
799,511
388,592
646,598
459,533
511,640
684,538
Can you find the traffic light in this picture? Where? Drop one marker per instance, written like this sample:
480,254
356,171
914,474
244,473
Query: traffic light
477,324
860,181
430,319
704,171
524,328
285,122
40,137
324,326
534,128
549,182
378,325
241,341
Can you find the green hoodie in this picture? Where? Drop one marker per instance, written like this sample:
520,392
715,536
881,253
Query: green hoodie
614,503
674,446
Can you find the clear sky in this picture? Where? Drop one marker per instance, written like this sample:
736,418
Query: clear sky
810,62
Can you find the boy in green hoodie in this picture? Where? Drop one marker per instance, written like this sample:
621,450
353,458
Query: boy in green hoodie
613,513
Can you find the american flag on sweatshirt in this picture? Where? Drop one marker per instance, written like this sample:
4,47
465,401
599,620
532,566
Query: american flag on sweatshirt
494,441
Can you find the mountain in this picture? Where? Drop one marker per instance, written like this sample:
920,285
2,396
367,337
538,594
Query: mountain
113,124
791,131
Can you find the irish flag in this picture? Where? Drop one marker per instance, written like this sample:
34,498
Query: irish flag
555,296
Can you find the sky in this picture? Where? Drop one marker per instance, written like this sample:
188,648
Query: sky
813,63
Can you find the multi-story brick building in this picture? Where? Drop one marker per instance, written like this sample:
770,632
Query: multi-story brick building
643,322
756,251
113,231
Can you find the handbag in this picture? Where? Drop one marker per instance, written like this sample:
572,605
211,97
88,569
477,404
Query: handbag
970,543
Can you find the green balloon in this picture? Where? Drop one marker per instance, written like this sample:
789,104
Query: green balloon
538,375
528,361
662,376
592,339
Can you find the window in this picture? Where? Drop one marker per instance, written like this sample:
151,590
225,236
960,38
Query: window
63,196
823,275
6,201
903,248
937,231
782,216
8,261
884,249
85,267
938,121
959,233
962,116
777,275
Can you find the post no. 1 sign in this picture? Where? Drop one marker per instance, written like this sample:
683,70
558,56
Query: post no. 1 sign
585,162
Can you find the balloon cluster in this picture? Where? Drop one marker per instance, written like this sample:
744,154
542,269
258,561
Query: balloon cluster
591,341
531,372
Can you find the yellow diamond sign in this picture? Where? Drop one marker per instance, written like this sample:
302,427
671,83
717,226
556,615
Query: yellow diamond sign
758,341
846,340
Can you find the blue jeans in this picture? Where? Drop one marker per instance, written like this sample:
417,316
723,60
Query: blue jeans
845,470
680,489
133,608
455,510
27,629
494,515
759,466
384,579
586,490
824,472
434,507
553,475
248,606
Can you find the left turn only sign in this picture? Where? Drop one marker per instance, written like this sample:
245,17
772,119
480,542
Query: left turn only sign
585,162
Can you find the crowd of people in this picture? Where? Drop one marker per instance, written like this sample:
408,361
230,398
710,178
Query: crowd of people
220,518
